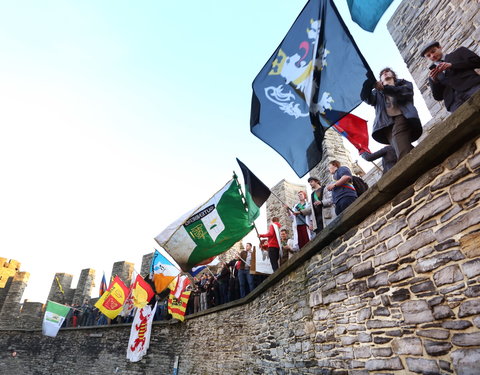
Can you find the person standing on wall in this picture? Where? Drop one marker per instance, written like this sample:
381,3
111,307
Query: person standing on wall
453,78
396,118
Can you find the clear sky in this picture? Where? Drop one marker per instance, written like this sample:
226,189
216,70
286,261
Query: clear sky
117,117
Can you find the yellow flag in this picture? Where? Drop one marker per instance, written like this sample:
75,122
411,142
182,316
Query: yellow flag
111,302
177,307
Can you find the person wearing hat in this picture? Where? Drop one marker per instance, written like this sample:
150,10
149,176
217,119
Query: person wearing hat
322,202
452,77
396,118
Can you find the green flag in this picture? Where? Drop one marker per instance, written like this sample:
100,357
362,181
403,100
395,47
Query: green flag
208,230
256,192
55,314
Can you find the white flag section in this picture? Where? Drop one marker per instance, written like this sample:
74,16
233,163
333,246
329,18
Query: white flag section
262,262
55,314
140,333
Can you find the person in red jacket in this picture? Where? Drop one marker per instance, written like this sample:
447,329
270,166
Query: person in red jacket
273,242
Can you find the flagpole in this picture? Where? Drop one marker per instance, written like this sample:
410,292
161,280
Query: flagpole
244,200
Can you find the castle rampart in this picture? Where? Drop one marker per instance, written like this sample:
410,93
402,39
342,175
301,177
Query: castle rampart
390,286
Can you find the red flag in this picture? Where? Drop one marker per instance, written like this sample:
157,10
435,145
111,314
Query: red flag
182,282
355,130
111,302
142,292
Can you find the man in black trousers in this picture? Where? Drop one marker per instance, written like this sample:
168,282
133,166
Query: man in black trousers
452,76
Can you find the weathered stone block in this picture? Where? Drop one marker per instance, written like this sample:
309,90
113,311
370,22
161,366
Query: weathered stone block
375,323
402,274
381,352
315,298
439,334
378,280
362,352
362,270
426,286
458,225
384,364
429,210
416,312
422,366
466,361
456,324
415,243
364,314
392,229
410,345
468,308
335,297
472,268
448,275
466,339
464,189
437,348
442,312
429,264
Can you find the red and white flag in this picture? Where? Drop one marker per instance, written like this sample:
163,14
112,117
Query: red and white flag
182,281
140,333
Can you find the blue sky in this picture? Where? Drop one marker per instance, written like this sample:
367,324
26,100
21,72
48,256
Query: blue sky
117,117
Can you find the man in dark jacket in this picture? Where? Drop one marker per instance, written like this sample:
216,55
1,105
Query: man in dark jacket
396,118
452,77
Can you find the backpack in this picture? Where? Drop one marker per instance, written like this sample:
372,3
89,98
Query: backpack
359,185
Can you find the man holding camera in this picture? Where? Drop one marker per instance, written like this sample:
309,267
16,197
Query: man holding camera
453,77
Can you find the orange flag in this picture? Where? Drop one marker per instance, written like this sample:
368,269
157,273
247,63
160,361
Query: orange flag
142,292
111,302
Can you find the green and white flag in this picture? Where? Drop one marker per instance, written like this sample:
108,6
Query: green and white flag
208,230
55,314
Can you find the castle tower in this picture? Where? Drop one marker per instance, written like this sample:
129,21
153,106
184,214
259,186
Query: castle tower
86,282
452,24
124,270
7,271
146,263
11,305
333,149
61,291
287,192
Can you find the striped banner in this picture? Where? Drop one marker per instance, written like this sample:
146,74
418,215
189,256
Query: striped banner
177,307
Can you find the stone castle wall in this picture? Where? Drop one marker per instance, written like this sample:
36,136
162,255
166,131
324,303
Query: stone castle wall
453,23
390,286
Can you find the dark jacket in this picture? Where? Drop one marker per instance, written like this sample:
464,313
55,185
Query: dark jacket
387,153
402,92
460,77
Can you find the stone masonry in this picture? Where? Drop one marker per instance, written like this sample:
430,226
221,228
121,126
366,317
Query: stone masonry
391,286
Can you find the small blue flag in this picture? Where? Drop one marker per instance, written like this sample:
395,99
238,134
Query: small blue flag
196,270
312,80
367,13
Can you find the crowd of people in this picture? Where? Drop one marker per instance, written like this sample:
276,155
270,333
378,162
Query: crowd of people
453,78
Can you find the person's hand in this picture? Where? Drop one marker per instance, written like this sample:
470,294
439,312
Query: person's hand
439,69
310,227
330,187
317,203
364,155
379,86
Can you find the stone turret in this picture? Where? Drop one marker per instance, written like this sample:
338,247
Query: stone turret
61,290
124,270
146,262
11,305
86,282
286,193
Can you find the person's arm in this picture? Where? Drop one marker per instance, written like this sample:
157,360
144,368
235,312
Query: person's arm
437,88
307,210
402,91
327,200
375,155
367,94
466,60
270,234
